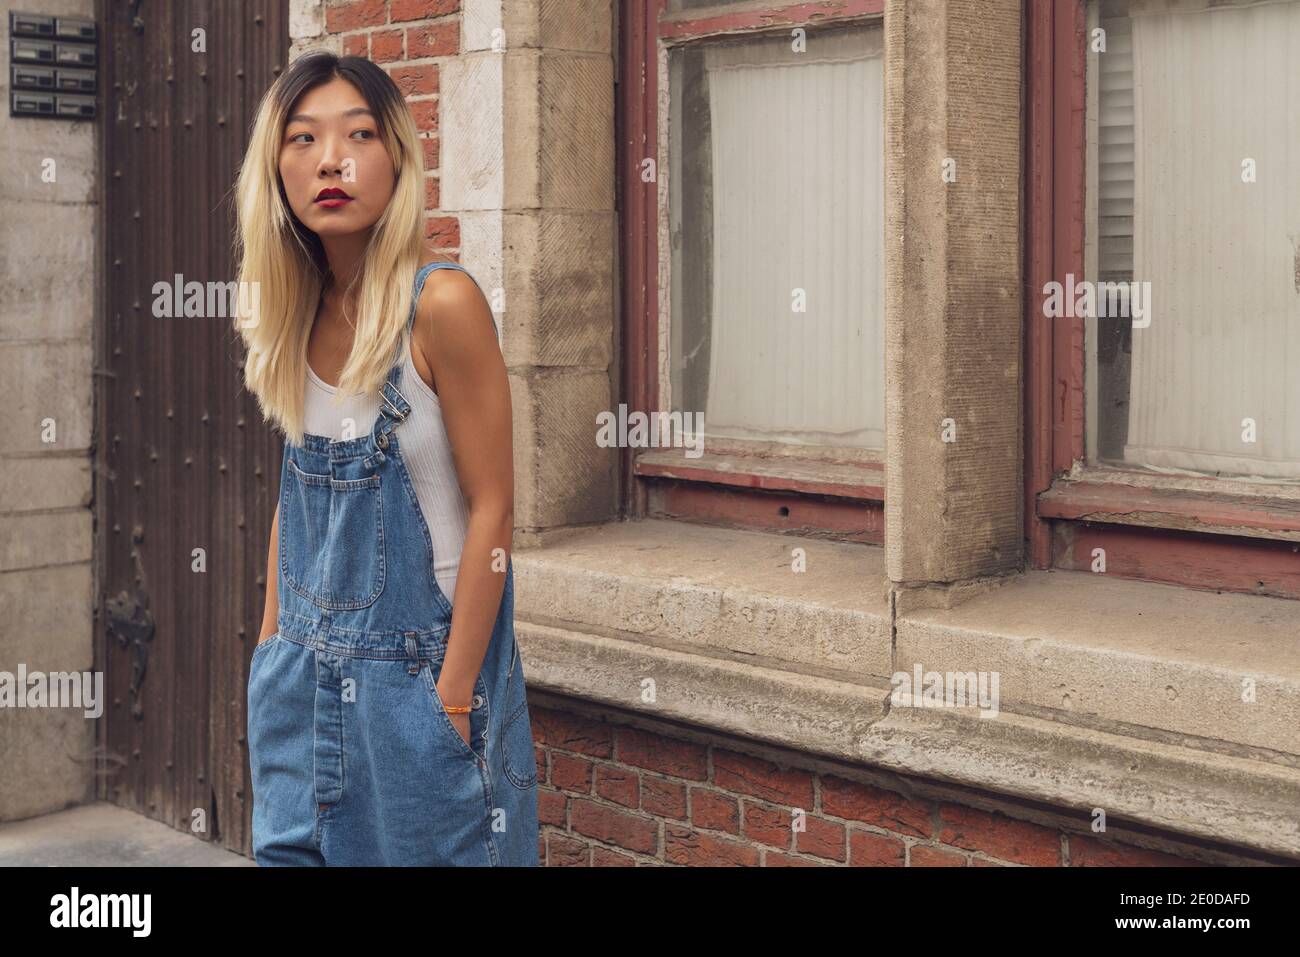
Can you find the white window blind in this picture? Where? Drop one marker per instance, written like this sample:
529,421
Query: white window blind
1216,86
797,195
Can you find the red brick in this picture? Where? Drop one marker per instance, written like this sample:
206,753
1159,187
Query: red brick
876,806
923,856
423,9
571,773
663,798
539,757
980,862
654,752
822,839
777,859
416,80
567,852
618,785
551,807
434,39
715,810
552,728
425,114
693,849
432,193
357,44
431,157
604,857
875,850
354,15
768,824
749,775
612,826
386,46
1090,852
999,836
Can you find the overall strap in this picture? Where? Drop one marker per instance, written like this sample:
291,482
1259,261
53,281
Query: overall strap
423,274
420,276
392,403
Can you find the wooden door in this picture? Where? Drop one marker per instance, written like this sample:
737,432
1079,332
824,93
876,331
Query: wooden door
187,473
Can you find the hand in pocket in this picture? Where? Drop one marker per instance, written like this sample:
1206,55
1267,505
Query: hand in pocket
461,723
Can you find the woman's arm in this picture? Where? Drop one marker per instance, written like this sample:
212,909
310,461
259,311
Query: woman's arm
271,613
459,342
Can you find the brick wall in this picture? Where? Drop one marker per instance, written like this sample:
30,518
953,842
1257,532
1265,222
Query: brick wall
613,795
409,39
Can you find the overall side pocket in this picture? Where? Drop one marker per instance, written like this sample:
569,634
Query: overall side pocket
478,716
517,754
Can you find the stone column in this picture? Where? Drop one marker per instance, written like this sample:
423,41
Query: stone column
528,148
954,465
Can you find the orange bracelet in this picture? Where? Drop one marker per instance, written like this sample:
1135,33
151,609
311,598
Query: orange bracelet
457,709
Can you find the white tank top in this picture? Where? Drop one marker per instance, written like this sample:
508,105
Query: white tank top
426,451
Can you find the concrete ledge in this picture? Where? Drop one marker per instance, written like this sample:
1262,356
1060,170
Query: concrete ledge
721,590
821,714
708,627
1092,649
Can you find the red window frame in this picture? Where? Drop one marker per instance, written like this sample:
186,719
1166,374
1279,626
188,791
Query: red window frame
1205,533
842,498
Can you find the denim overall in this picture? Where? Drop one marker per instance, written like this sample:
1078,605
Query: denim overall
354,761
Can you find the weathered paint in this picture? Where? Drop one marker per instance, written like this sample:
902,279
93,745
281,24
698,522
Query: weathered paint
1214,562
1054,198
814,517
1209,511
688,25
637,136
865,483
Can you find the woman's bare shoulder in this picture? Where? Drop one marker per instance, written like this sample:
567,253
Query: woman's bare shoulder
452,311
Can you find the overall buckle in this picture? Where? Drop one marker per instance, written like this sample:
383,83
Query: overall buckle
392,409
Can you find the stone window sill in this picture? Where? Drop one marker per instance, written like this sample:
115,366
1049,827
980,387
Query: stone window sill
1116,694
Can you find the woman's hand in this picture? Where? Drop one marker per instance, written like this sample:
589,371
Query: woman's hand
453,697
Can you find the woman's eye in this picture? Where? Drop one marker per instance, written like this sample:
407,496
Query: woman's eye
296,135
369,134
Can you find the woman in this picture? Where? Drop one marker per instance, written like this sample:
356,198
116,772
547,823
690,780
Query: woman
382,727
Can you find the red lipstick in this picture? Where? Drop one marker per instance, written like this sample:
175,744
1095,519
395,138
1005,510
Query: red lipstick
332,198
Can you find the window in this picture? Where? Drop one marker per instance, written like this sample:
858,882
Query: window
1162,403
754,267
775,222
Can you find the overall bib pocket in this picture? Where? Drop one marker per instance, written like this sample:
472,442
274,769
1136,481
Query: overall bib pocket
332,538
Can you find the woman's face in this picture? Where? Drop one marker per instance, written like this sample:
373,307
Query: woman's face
331,142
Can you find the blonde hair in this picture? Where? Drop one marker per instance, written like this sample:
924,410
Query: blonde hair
286,262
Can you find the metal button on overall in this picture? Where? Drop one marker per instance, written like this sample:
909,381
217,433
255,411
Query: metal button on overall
354,761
